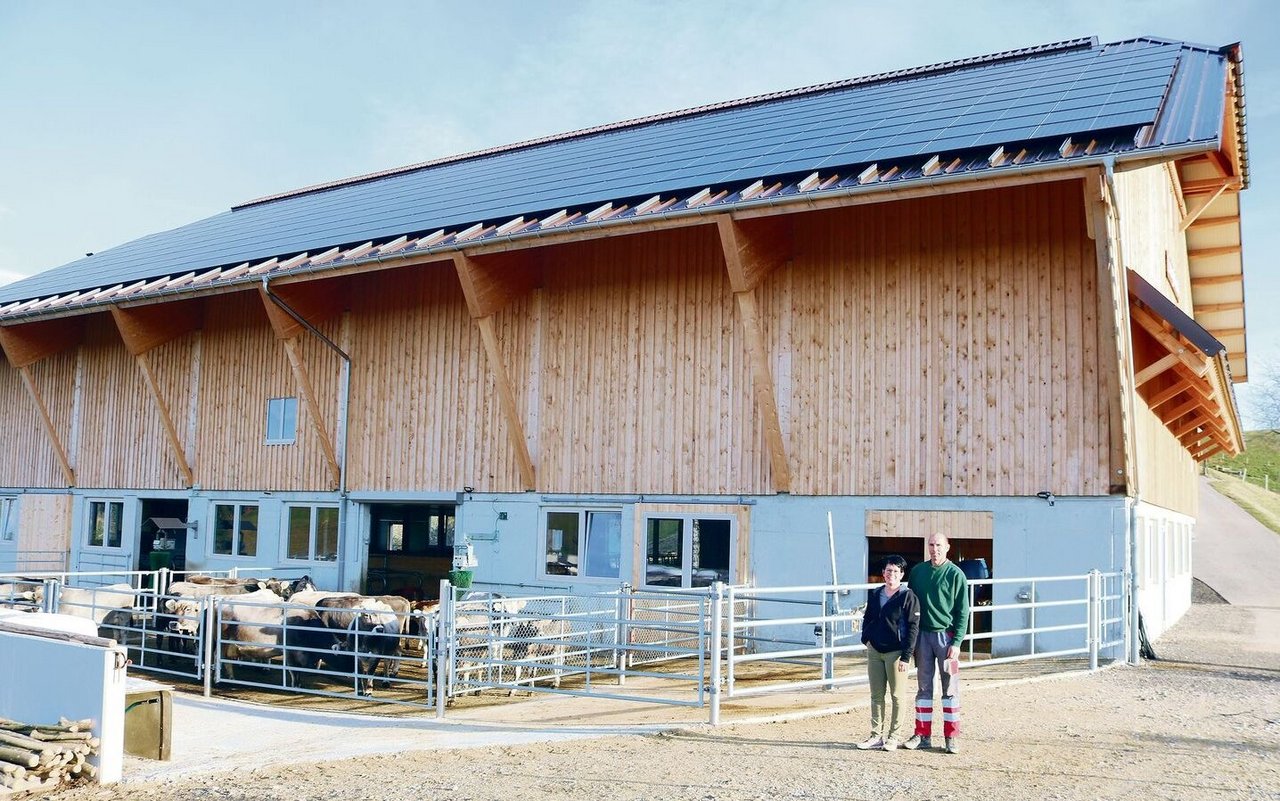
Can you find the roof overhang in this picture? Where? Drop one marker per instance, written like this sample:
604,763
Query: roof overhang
1181,371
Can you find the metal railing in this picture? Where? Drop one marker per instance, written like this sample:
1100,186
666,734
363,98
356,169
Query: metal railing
675,647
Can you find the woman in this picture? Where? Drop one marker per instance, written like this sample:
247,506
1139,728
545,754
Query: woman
890,626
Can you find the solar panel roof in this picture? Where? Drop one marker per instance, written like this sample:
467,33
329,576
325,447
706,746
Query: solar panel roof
1072,89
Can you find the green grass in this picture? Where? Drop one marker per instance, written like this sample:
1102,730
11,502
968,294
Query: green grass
1260,461
1262,504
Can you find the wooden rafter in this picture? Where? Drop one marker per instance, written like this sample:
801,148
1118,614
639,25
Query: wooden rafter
1154,369
1186,354
287,330
27,343
1169,393
750,253
314,301
488,284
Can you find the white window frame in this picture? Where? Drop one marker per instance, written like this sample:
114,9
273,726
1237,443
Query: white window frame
279,412
106,540
583,513
8,531
235,530
686,556
286,528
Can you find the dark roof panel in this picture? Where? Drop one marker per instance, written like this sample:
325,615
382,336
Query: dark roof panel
1070,89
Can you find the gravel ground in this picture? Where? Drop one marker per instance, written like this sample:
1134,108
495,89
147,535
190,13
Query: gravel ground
1202,722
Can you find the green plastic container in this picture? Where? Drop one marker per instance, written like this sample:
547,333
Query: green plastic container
460,579
160,559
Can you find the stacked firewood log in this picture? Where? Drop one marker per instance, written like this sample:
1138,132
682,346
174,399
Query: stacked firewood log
45,757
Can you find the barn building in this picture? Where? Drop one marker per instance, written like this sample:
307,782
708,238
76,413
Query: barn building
1000,297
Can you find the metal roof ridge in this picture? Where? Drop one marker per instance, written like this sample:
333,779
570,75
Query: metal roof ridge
1078,43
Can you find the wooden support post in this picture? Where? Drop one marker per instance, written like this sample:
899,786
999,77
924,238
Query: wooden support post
320,301
34,392
24,345
313,410
749,256
489,284
145,328
1112,343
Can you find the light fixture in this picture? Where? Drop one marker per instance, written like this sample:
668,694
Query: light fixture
468,490
1045,495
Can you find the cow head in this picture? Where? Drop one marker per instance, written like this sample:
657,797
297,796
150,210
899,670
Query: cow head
186,612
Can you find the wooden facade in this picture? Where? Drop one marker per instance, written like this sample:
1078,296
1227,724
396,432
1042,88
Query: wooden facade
932,346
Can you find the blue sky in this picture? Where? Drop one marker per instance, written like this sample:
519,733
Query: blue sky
125,118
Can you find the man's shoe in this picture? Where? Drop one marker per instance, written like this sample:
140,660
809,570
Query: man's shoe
870,743
917,742
892,745
953,745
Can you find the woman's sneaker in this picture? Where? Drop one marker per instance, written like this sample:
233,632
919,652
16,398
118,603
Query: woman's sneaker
870,743
917,742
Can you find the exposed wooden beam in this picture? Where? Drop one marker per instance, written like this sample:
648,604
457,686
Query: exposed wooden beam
489,283
45,420
507,401
1154,369
1172,415
1208,253
315,301
1217,280
1204,308
1212,222
1202,203
1188,355
27,343
1169,393
766,394
1219,333
313,409
170,432
1209,186
144,328
753,250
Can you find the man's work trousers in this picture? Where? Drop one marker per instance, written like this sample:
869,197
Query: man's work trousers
931,656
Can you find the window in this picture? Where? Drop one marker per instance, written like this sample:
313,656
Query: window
235,529
282,420
583,542
8,531
688,550
412,529
313,533
105,523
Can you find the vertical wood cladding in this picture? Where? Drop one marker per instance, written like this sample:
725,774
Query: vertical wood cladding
424,413
941,346
121,439
946,346
1153,246
242,365
27,457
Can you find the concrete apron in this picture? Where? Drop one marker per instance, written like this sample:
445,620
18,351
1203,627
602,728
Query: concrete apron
211,735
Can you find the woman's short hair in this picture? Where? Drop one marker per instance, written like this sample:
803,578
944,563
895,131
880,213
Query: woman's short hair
895,561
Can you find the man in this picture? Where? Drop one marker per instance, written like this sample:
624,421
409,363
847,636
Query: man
943,591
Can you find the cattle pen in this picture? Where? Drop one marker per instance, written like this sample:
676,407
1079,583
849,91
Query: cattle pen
692,648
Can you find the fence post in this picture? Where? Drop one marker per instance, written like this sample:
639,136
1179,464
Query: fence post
209,636
620,606
717,611
444,646
731,638
1094,586
829,605
51,596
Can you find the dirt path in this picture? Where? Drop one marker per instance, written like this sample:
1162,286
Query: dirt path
1201,723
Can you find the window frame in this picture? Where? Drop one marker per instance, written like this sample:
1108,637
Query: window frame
287,533
288,411
105,545
8,532
584,514
238,506
407,518
686,555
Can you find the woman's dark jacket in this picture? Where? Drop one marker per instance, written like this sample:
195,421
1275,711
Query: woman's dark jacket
893,627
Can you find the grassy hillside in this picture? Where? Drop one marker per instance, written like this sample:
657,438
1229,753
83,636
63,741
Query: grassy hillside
1260,462
1263,505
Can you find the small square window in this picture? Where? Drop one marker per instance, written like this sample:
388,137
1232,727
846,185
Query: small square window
8,531
282,420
